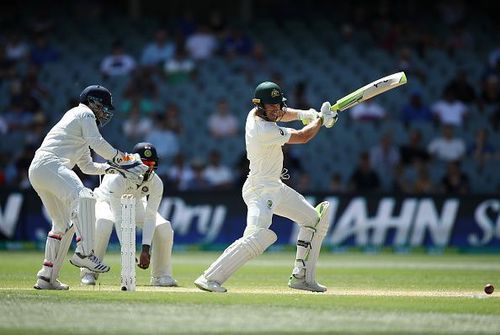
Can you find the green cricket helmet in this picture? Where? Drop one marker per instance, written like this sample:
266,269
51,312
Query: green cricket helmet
268,93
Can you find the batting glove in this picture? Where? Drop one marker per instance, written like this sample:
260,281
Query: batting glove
328,116
307,116
129,166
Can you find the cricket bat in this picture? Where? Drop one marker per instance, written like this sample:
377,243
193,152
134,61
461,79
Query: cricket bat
369,91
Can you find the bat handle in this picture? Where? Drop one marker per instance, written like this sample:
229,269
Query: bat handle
334,108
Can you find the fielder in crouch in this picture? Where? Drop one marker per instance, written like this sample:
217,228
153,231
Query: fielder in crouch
265,194
71,205
157,233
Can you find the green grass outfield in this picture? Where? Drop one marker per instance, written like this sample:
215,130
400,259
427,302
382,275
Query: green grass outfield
367,294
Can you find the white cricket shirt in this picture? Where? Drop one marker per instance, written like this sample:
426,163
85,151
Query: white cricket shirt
264,140
69,141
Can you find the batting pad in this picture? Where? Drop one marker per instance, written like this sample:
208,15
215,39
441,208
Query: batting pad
238,253
84,220
309,243
60,254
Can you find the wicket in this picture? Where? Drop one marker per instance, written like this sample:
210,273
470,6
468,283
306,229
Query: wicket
128,243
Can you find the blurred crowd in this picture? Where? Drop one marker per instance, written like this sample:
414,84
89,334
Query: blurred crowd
173,55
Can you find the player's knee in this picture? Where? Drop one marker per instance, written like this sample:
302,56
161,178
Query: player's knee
164,231
258,241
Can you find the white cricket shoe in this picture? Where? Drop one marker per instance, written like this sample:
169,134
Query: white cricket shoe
209,285
165,281
43,284
90,262
301,284
88,279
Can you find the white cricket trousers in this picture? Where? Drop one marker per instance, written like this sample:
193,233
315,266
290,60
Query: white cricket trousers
265,198
57,186
161,246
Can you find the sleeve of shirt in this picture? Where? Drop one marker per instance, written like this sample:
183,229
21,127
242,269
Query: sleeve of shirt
94,139
153,202
275,135
90,167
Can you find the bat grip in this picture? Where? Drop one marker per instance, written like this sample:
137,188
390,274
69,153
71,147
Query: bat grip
334,108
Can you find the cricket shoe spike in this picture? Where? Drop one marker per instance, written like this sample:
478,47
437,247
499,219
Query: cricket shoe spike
88,279
164,281
301,284
43,283
90,262
209,285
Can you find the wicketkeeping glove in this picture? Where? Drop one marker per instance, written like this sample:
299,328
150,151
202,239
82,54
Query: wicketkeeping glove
329,117
307,116
129,166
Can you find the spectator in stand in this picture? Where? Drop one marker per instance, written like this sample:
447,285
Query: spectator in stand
423,183
145,105
180,67
242,169
118,63
447,147
415,110
299,96
384,156
165,140
16,49
42,52
460,39
481,149
17,117
490,90
237,44
257,63
136,126
368,111
174,122
7,66
336,184
180,173
199,182
463,90
406,64
202,44
455,181
159,51
400,181
304,183
495,118
414,152
364,178
218,175
222,124
449,110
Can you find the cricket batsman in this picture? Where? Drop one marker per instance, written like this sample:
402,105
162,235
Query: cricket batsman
157,233
265,194
70,205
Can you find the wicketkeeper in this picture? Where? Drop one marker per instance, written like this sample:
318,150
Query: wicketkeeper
157,233
70,204
265,194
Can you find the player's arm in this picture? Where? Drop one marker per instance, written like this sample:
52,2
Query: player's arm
151,208
90,167
95,140
305,134
326,117
292,114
